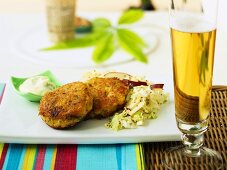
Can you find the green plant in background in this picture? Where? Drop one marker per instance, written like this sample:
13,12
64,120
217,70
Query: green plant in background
107,38
204,58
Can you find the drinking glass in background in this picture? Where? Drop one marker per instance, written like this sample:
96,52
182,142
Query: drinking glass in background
60,19
193,33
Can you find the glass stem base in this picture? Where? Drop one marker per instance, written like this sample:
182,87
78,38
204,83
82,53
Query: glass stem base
182,158
192,143
192,155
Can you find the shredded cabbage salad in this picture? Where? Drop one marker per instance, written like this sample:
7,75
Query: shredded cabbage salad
142,104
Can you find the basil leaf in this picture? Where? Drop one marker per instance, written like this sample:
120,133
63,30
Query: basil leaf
101,23
132,36
131,16
129,46
104,49
86,41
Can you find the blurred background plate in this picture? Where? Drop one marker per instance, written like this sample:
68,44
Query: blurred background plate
29,43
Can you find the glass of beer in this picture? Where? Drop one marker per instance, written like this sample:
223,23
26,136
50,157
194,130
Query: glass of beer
193,33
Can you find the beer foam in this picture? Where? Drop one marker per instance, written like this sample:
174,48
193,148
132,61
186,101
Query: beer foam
193,23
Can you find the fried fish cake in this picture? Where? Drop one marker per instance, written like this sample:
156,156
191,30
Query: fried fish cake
66,106
109,95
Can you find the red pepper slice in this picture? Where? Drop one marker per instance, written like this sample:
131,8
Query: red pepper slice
157,86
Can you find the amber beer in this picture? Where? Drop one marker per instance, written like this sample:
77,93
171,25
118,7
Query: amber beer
193,56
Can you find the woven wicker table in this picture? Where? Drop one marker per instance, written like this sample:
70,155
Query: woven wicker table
215,137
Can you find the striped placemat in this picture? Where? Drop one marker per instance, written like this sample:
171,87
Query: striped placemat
80,157
67,157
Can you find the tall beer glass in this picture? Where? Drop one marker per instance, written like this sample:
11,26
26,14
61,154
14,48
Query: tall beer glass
193,33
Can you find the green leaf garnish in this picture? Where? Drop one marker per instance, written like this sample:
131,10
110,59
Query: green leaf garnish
86,41
104,49
132,36
103,38
129,46
131,16
101,23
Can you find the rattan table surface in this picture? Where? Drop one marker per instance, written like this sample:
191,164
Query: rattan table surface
215,137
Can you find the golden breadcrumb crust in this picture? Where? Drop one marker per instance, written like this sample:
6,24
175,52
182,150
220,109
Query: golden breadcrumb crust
66,105
109,95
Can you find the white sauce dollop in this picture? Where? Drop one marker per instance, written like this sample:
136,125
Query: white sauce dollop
37,85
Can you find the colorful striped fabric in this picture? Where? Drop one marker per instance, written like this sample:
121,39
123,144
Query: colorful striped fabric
67,157
63,157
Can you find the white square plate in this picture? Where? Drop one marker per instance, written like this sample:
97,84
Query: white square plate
20,123
19,120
